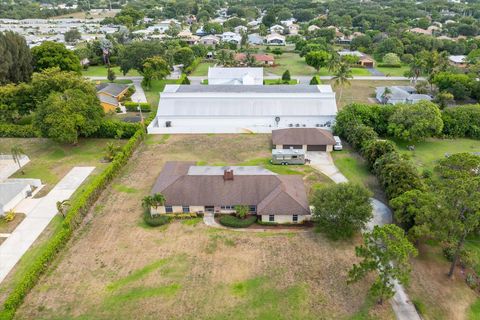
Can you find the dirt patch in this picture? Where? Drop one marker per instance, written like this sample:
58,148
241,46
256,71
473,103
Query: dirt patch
8,227
442,297
115,267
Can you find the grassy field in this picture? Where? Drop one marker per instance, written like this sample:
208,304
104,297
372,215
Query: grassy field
293,62
427,153
202,69
101,71
50,161
153,94
393,72
361,91
116,267
278,81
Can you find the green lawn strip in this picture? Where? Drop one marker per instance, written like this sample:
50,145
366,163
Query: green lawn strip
202,69
427,153
351,167
265,162
474,312
191,222
138,274
293,62
360,72
101,71
124,189
142,293
394,72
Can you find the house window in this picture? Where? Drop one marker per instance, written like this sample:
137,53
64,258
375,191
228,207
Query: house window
227,207
185,209
295,218
252,208
271,218
168,209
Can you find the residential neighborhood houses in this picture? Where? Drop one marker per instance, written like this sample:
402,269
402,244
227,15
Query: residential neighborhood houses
239,160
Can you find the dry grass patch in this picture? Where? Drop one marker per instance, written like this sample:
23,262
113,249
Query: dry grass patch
115,269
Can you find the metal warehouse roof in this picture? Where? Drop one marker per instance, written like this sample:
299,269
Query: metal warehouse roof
253,89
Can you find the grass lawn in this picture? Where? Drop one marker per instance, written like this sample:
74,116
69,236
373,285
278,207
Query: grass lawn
360,72
394,72
427,153
50,161
101,71
361,91
202,69
188,270
293,62
278,81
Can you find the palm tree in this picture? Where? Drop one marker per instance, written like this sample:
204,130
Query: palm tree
416,68
62,207
385,94
341,77
147,202
334,62
17,154
158,199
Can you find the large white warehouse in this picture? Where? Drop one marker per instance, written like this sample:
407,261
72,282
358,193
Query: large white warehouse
243,109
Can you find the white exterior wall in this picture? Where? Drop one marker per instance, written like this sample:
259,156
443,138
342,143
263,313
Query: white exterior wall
16,200
286,218
176,209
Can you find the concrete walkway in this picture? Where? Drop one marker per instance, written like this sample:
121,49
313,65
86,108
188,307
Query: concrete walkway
20,240
139,95
401,304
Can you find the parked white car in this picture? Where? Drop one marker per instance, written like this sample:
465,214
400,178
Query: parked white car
338,144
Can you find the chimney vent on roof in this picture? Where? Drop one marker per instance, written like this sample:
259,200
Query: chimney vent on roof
227,174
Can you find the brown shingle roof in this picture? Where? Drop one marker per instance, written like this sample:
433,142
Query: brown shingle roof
302,136
272,194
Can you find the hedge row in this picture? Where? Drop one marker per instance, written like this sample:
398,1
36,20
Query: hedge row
133,106
116,129
18,131
462,121
388,65
193,66
79,207
234,222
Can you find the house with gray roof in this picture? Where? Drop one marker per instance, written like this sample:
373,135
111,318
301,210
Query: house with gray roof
272,197
399,94
308,139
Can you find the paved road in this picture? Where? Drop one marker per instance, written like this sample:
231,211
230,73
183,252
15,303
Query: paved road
14,247
401,304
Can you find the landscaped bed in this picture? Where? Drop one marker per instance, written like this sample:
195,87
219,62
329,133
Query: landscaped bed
234,222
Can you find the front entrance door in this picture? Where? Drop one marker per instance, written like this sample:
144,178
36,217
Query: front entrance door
209,208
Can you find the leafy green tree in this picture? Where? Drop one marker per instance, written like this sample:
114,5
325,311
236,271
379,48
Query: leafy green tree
72,35
375,149
186,80
52,54
342,209
459,165
391,59
241,211
286,76
444,99
184,56
389,45
133,55
16,59
416,122
411,204
386,252
460,85
269,19
158,200
16,101
111,75
65,116
154,68
317,59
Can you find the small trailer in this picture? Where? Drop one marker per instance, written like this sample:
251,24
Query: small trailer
288,156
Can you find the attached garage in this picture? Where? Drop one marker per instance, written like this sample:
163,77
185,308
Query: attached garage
308,139
316,147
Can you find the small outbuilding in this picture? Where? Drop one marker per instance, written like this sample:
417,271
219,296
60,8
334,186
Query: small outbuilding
308,139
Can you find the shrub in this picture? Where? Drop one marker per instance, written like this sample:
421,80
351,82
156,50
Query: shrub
193,66
286,76
18,131
471,281
79,207
386,65
155,220
9,216
116,129
462,121
315,80
182,216
133,106
234,222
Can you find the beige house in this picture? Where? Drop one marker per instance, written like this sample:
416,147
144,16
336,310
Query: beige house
308,139
273,198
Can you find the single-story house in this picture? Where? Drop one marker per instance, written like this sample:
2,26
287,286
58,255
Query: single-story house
272,197
235,76
255,39
458,61
240,29
363,59
110,95
275,39
293,29
209,40
243,109
231,37
313,28
399,94
277,28
308,139
264,59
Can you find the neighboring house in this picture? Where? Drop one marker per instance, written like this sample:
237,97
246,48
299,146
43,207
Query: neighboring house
458,61
308,139
240,29
275,39
277,29
188,188
313,28
110,95
242,108
421,31
264,59
255,39
231,37
209,40
363,59
293,29
235,76
288,22
399,94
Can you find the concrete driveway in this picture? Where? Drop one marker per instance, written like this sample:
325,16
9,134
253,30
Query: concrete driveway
323,162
